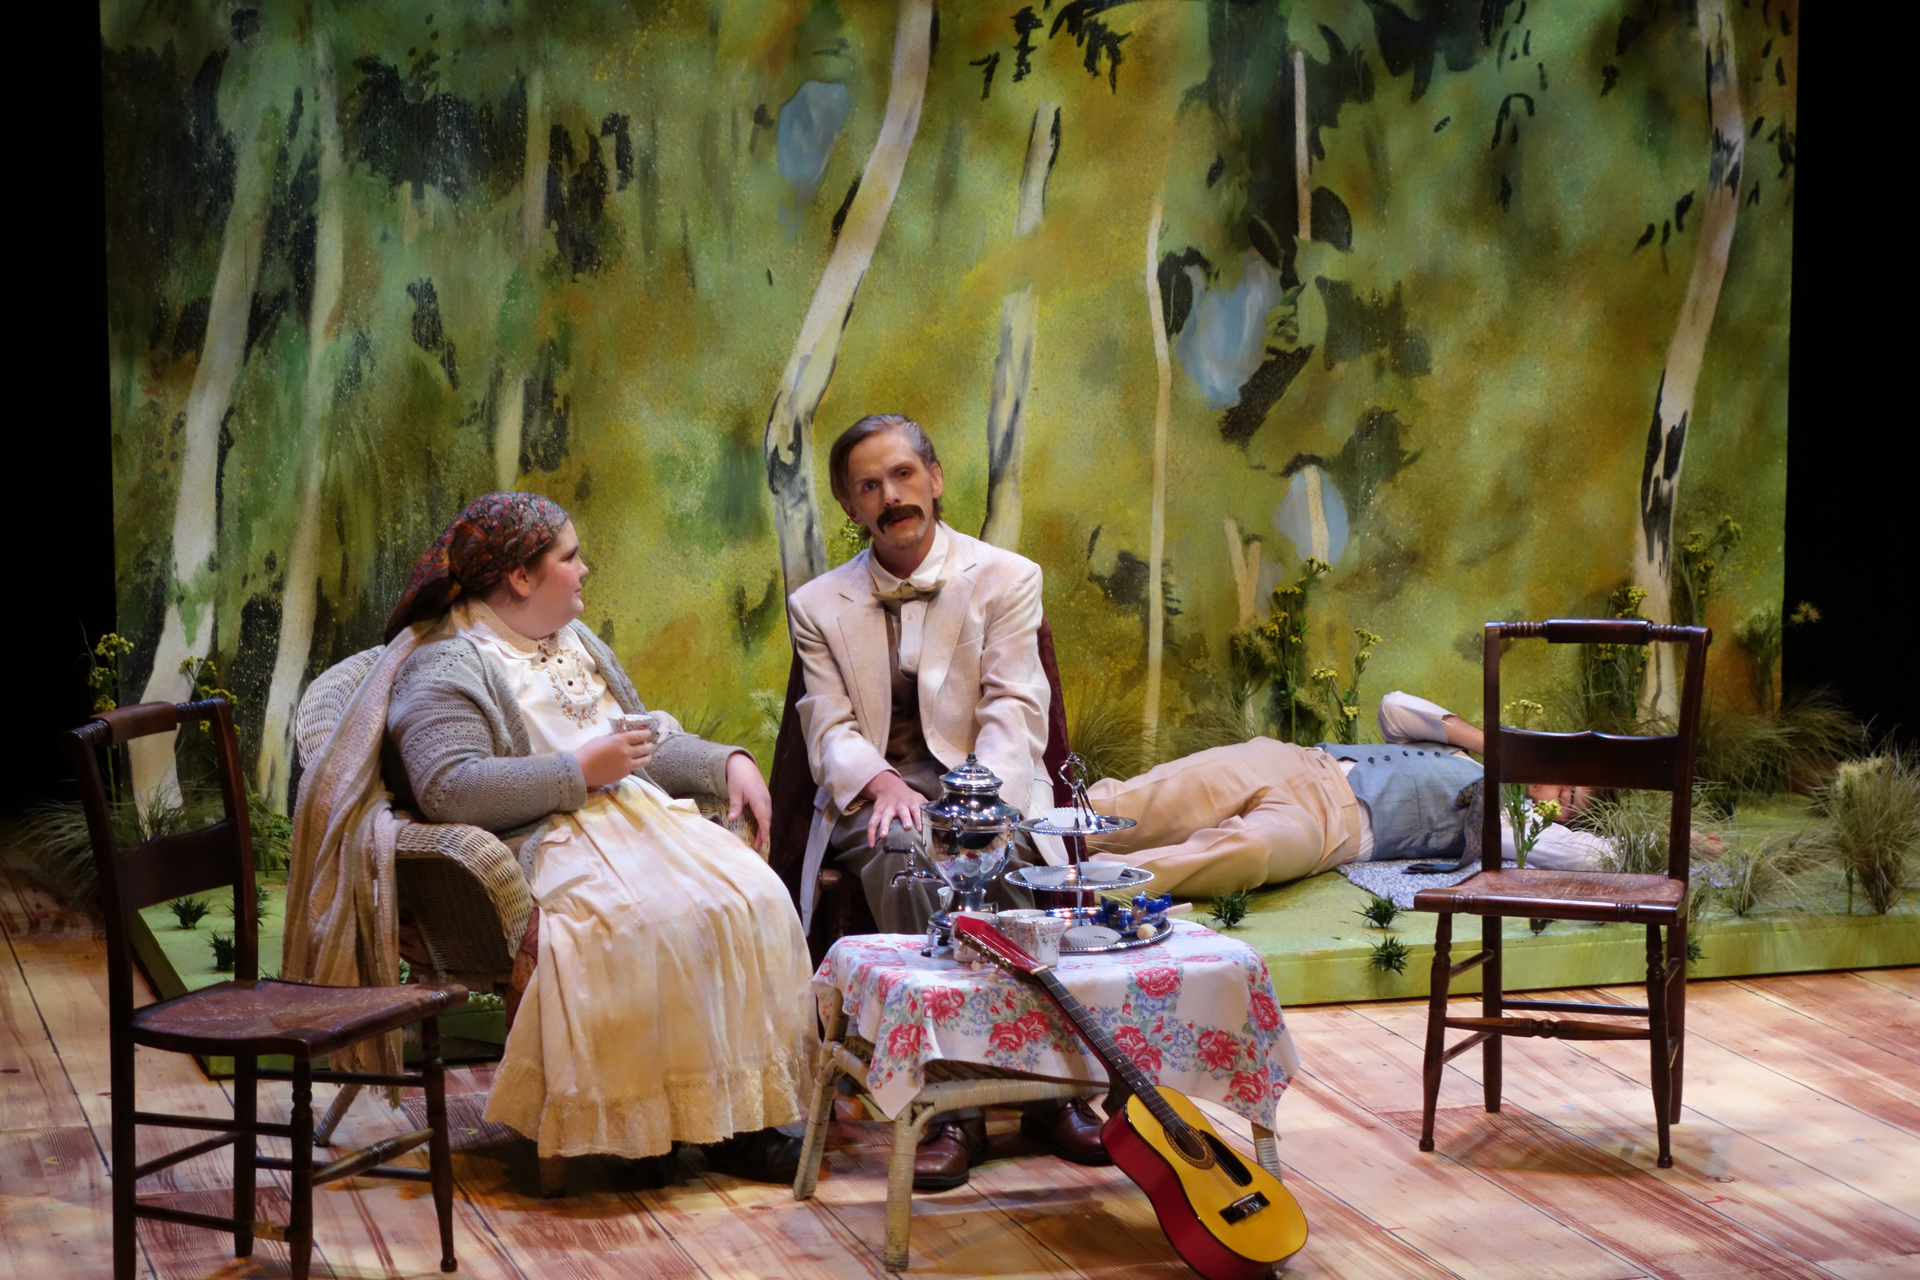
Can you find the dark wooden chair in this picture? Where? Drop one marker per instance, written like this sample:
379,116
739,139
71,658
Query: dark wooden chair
246,1017
1656,763
842,906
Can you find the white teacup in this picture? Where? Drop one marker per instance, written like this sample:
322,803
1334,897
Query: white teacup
1038,933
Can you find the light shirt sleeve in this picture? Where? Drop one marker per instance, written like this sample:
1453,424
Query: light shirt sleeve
1405,718
1564,849
913,613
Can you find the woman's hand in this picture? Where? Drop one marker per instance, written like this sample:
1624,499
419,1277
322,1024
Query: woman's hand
604,761
747,793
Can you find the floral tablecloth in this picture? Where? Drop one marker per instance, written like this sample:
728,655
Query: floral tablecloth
1197,1013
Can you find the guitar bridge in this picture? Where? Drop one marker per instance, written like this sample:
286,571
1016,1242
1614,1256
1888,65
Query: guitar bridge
1245,1207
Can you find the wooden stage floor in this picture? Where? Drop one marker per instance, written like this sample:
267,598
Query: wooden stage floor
1799,1155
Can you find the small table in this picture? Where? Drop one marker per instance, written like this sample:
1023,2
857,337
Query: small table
923,1036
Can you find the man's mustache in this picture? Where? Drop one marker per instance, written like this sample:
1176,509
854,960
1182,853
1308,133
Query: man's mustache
893,515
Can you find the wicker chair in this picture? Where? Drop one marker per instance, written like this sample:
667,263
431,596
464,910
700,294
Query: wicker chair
464,906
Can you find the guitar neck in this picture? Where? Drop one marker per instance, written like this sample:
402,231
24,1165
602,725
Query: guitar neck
1110,1053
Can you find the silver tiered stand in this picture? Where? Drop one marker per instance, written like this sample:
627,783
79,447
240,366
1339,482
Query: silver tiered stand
1077,885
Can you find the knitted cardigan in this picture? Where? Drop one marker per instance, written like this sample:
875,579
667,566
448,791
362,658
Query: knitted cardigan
464,754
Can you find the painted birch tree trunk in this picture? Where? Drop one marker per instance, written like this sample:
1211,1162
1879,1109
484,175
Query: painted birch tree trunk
274,767
186,631
509,417
789,438
1157,536
1245,555
1302,160
1673,402
1013,366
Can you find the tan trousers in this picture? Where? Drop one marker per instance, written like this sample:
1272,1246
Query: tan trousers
1237,817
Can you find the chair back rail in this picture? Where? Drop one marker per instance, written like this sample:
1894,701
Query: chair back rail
219,855
1659,762
1589,759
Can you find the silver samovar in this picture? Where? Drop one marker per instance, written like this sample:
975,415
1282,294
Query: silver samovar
968,837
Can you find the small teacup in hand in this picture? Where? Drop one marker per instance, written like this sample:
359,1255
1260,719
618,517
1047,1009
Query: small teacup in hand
605,760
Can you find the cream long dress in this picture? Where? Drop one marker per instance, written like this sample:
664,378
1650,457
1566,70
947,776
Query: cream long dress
671,998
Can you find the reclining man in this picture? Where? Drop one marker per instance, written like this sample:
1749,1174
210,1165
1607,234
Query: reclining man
917,651
1266,812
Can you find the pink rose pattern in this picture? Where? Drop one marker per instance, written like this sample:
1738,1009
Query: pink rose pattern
922,1002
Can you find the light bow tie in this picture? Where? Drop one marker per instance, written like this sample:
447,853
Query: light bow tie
907,591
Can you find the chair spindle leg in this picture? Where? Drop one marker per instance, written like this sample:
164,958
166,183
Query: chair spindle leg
433,1071
1657,1037
300,1211
246,1113
1677,1013
126,1246
1431,1066
1492,992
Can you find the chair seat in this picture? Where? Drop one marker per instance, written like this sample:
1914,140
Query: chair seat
1560,895
269,1016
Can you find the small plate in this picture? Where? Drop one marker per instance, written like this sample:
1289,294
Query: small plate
1089,937
1092,875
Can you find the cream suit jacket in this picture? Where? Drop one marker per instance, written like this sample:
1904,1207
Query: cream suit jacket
981,685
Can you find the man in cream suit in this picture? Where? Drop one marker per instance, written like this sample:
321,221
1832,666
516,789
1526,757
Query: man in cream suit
919,650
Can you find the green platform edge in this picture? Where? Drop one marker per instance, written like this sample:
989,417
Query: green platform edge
180,960
1319,951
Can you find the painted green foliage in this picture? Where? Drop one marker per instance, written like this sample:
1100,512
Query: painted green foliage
600,227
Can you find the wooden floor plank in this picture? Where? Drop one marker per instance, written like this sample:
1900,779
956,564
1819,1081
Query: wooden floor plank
1451,1215
1905,981
35,1092
730,1227
68,978
54,1204
1849,1003
1775,1197
957,1233
1096,1216
1342,1240
1865,1153
1811,1052
1627,1209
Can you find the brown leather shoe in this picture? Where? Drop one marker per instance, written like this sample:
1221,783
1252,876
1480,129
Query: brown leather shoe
1072,1132
947,1150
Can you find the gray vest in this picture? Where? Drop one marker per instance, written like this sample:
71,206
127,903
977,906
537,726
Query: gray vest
1419,796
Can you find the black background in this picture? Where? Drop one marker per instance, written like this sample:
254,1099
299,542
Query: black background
1849,491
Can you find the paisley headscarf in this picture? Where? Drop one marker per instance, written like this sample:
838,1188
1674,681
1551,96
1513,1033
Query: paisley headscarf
494,535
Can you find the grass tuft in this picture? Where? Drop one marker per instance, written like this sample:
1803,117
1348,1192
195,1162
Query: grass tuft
1872,829
1379,912
1229,909
1389,955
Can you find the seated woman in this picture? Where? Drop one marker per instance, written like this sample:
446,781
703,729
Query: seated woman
1266,812
670,1002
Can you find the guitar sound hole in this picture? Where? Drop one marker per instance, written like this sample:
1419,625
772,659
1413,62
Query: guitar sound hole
1229,1162
1192,1146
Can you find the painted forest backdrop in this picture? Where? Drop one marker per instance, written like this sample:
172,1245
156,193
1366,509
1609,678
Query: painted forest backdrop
1482,304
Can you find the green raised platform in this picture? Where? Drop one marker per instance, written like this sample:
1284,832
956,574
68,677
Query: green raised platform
180,960
1320,951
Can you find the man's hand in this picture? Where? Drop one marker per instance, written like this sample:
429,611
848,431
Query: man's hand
747,793
604,761
892,798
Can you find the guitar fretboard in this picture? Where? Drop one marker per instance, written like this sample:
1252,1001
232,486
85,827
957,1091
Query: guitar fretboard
1110,1053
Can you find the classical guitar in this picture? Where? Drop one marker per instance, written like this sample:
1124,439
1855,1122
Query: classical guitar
1228,1217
